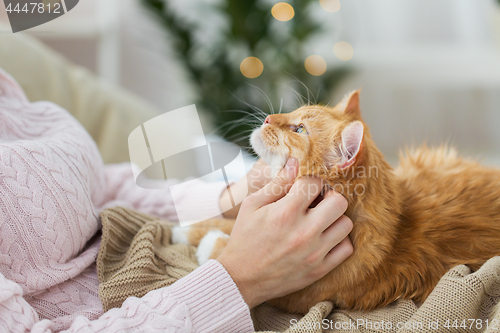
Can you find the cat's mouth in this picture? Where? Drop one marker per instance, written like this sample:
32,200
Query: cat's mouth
275,160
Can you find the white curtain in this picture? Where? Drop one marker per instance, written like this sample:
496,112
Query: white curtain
396,22
429,72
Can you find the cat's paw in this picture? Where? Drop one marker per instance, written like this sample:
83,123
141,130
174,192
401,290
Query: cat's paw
180,235
211,245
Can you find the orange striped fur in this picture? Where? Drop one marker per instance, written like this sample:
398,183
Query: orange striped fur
411,224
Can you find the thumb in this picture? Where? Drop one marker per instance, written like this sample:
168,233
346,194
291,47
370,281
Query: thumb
279,186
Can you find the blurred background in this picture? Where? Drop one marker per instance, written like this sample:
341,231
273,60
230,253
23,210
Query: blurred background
429,70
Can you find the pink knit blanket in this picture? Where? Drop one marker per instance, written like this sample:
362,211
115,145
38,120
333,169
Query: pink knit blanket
52,186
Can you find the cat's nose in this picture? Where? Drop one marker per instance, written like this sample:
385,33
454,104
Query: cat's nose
268,120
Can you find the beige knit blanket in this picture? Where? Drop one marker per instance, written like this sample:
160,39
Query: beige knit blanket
136,256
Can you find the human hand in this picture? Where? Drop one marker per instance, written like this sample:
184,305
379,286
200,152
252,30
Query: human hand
279,245
257,178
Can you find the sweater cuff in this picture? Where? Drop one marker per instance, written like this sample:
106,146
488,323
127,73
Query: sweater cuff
196,201
213,299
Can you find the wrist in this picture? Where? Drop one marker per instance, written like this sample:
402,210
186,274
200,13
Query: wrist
245,287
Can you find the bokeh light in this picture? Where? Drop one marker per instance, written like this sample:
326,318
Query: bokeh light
282,11
331,6
251,67
343,51
52,3
315,65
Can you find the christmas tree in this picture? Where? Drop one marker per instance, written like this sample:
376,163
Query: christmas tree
259,56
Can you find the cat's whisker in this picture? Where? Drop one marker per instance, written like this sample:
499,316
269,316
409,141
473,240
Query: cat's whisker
299,97
259,116
264,95
254,113
240,138
223,134
281,105
309,92
224,129
244,132
249,117
245,120
253,107
237,122
239,133
247,147
317,96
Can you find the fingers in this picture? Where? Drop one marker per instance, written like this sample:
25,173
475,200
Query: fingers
259,176
337,255
335,233
332,207
278,187
303,192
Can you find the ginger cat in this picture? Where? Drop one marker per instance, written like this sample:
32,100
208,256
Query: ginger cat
411,224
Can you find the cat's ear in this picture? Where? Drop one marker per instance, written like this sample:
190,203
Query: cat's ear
350,104
352,141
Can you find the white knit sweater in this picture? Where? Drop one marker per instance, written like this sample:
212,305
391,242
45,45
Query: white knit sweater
52,186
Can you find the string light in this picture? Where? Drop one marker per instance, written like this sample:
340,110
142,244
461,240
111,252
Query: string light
251,67
51,2
343,51
283,11
315,65
331,6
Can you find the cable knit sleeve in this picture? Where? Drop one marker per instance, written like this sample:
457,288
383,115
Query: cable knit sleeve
52,185
207,300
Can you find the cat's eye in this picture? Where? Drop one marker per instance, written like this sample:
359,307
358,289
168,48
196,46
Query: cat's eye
301,129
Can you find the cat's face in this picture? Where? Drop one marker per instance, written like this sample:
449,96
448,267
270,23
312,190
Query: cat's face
327,137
